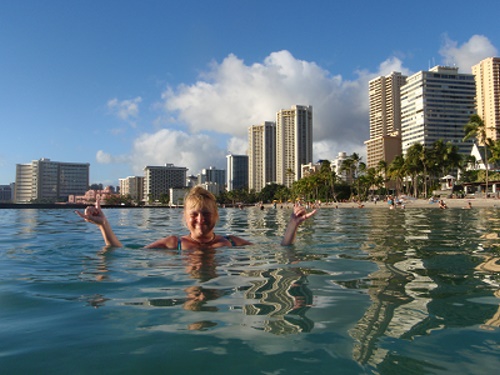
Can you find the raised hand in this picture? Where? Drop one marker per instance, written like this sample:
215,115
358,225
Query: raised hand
93,214
298,216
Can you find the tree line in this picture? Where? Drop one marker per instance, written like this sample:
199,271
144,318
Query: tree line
417,173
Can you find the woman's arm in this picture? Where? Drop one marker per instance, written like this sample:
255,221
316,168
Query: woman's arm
298,216
94,215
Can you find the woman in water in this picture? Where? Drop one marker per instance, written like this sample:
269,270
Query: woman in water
201,216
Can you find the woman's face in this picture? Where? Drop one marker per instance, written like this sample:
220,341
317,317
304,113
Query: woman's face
200,220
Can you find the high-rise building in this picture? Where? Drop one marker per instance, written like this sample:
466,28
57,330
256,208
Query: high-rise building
50,181
487,77
436,105
159,179
237,172
215,177
133,186
294,140
385,119
261,155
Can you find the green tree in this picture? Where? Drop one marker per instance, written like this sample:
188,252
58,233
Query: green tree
396,171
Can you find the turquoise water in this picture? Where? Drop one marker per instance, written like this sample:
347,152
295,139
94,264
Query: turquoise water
368,291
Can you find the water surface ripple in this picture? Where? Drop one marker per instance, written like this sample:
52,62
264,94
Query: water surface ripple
368,291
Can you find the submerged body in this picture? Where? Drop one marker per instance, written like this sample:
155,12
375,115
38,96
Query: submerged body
201,216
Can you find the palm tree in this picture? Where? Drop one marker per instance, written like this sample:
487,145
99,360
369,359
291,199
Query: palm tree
397,171
476,129
416,162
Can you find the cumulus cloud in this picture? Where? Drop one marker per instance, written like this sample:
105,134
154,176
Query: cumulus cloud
179,148
231,95
127,110
477,48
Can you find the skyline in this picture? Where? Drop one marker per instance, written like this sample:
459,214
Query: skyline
122,85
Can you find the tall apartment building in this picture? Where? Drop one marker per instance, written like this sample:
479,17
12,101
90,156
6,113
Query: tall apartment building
213,176
237,172
159,179
487,78
261,155
294,140
436,105
50,181
133,186
385,119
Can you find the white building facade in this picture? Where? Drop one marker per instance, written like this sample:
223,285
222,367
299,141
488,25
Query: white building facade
261,155
133,186
294,140
50,181
436,105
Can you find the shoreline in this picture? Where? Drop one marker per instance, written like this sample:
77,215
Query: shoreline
409,204
423,203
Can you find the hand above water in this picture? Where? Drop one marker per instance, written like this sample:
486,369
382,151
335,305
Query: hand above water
299,214
93,214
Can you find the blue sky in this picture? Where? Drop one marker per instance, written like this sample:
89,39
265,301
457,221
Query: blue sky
125,84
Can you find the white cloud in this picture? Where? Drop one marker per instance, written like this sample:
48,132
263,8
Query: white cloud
127,110
237,146
477,48
231,96
179,148
104,158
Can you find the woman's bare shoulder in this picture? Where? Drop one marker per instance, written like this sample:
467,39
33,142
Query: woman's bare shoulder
169,242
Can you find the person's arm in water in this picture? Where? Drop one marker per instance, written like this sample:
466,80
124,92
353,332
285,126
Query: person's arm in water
94,215
298,216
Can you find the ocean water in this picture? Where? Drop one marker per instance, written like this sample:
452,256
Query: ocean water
369,291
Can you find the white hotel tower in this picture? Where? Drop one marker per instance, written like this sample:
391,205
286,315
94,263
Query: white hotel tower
436,104
293,143
261,155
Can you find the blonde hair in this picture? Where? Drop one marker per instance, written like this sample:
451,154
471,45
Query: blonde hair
198,197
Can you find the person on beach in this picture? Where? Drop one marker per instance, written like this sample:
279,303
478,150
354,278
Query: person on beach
442,204
201,216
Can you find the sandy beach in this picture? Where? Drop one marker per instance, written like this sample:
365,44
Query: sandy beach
424,203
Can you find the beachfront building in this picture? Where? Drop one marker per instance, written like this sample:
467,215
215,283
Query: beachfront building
487,77
176,196
261,155
213,176
436,105
191,181
337,167
159,179
92,195
385,119
44,180
237,172
311,168
133,186
7,193
294,140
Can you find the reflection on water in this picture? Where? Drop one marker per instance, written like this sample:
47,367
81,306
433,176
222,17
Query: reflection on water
283,298
368,291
